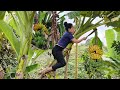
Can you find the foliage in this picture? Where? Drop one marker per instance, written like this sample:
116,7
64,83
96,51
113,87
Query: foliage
17,54
99,42
7,57
19,33
116,46
112,54
100,69
31,67
61,26
39,40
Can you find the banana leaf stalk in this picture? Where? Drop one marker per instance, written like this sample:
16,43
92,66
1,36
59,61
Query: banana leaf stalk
76,62
66,67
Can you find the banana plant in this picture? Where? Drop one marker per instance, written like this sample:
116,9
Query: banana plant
19,33
112,54
87,25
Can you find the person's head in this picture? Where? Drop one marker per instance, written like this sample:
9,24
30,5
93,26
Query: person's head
69,27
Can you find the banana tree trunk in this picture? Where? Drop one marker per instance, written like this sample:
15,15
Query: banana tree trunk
76,63
21,68
66,67
54,28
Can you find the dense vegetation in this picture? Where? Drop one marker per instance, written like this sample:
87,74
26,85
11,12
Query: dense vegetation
27,37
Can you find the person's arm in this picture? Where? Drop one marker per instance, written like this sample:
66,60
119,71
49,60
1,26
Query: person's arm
74,40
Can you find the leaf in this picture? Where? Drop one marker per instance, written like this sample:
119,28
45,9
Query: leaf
110,37
41,16
38,52
2,14
8,31
22,16
34,54
99,42
118,36
30,53
15,25
117,29
73,14
31,67
61,27
114,24
25,24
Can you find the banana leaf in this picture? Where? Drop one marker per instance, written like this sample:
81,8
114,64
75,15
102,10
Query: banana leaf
110,37
99,42
8,31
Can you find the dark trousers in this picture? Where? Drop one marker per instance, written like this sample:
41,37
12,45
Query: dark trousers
58,55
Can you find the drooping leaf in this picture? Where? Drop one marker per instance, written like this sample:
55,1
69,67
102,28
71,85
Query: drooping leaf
8,31
110,37
30,54
41,16
114,24
38,52
22,16
33,55
118,36
73,14
61,26
99,42
15,25
25,24
117,29
31,67
2,14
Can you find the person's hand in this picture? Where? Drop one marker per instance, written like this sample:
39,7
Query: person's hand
84,38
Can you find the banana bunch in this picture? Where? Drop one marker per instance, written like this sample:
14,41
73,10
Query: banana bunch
36,27
95,56
45,29
95,52
40,26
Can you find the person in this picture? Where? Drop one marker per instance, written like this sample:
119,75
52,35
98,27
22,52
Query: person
60,46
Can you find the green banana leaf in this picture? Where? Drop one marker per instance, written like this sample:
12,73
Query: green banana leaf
117,29
8,31
99,42
110,37
41,16
2,14
61,26
31,67
33,55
